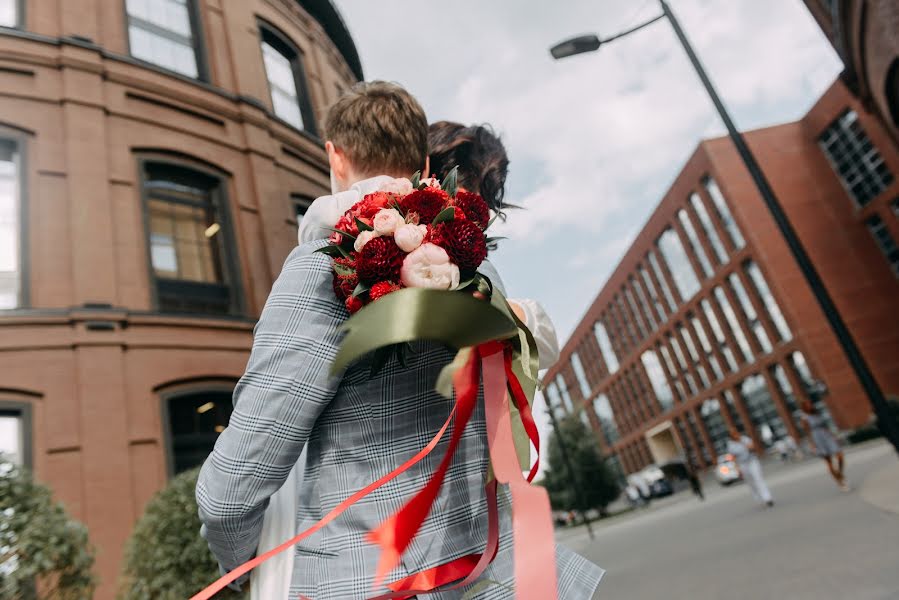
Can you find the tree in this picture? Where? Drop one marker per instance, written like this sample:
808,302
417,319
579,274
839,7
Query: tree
165,557
43,552
596,478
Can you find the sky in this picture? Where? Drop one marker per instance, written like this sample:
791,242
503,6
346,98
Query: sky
595,140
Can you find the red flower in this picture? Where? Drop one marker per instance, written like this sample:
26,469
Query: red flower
353,304
368,207
426,203
348,224
474,207
380,260
381,289
345,285
463,241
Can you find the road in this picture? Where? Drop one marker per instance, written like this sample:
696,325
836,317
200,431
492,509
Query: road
815,543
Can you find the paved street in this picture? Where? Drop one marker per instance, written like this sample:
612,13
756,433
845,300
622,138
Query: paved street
815,543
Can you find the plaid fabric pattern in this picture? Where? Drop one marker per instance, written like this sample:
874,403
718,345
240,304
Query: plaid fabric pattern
356,429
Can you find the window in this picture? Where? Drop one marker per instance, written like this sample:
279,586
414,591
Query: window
651,290
10,243
190,242
660,277
672,371
764,292
786,390
682,361
628,323
580,375
694,355
856,161
553,398
731,402
563,390
761,409
9,13
727,219
694,242
718,332
299,205
606,416
815,388
286,79
884,241
15,433
715,424
644,304
678,264
605,346
751,316
734,323
709,228
694,427
164,32
657,379
195,421
706,346
638,319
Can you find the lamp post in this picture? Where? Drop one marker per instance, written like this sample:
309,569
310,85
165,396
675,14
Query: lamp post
573,479
591,43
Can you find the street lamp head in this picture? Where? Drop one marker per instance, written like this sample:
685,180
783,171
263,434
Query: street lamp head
576,45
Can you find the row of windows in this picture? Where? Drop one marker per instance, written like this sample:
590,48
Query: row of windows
167,33
856,160
190,237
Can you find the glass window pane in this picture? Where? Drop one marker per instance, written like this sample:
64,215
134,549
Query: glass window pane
12,438
9,13
660,277
678,264
605,346
751,316
195,422
786,390
682,361
709,228
694,242
734,413
563,390
715,424
657,379
603,410
580,375
855,159
762,410
280,71
727,219
694,355
10,200
764,292
706,346
884,240
154,47
718,332
653,299
635,311
552,395
734,323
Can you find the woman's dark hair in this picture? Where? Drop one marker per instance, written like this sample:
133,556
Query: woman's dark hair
480,156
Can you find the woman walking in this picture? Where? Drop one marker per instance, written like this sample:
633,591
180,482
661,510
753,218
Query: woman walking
743,450
824,442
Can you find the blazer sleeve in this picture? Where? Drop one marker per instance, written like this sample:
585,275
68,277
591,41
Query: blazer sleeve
287,385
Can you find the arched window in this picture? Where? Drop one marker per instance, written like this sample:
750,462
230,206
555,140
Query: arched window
193,420
11,13
193,259
15,432
11,208
286,79
166,33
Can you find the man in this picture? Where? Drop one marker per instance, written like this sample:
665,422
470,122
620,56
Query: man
355,428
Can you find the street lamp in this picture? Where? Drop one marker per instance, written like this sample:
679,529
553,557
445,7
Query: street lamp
590,43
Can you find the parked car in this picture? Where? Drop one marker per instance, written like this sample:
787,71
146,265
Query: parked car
726,472
661,488
659,485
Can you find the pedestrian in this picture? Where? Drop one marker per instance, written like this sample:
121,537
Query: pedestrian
743,449
824,443
695,483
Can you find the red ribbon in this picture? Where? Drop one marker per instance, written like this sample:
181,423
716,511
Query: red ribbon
534,548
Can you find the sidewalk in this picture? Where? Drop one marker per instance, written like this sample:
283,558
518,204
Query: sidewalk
881,488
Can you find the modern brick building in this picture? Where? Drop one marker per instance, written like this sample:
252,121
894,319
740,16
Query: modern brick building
864,34
707,321
155,156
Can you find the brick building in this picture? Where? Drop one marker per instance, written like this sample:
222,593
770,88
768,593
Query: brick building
707,321
155,156
864,34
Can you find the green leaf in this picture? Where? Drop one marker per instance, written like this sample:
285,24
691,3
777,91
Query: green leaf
349,235
464,284
497,238
416,180
444,385
451,182
343,269
363,226
490,222
380,358
361,289
330,250
447,214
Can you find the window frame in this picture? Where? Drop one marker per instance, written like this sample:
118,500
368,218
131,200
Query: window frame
197,42
20,140
25,412
20,15
231,259
268,33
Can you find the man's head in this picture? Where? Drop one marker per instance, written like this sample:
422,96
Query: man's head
376,128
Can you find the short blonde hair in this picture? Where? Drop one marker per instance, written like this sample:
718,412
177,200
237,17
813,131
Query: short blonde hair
381,127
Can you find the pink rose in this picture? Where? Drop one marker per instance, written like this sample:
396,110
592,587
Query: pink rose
429,266
387,220
400,186
409,236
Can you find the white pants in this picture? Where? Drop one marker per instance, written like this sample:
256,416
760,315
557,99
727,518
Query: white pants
752,474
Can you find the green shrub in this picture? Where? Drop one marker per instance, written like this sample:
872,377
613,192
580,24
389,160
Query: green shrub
863,434
165,557
43,552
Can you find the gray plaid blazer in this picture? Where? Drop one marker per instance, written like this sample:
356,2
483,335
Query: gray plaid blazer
356,430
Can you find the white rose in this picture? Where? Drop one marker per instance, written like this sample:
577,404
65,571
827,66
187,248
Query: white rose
387,220
429,266
409,236
431,182
363,238
400,187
